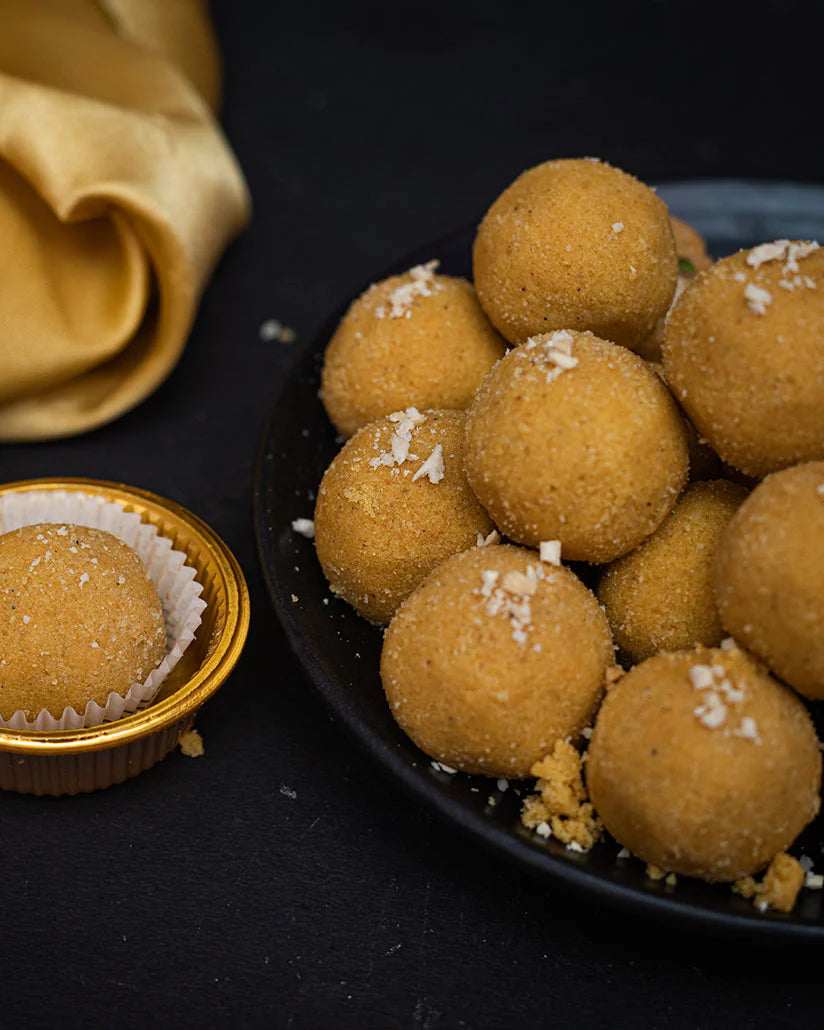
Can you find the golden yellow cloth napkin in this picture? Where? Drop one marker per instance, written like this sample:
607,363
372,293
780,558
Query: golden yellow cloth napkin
118,193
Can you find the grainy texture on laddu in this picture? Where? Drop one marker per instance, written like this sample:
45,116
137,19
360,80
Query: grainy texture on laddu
660,596
769,572
378,529
576,244
395,348
748,367
80,619
485,678
708,797
594,456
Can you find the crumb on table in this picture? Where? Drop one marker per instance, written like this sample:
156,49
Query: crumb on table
561,804
779,887
191,744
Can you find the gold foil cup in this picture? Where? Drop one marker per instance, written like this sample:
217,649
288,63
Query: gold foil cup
78,761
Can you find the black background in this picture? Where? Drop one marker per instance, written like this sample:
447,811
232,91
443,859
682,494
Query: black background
202,893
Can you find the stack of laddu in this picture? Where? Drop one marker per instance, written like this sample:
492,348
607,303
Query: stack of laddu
603,395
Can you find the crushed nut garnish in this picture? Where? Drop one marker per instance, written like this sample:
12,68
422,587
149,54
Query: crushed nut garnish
757,298
401,438
400,300
718,694
443,767
561,807
555,351
511,598
491,538
433,467
617,227
550,552
654,872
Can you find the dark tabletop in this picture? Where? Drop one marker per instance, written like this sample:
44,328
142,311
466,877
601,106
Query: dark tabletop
280,880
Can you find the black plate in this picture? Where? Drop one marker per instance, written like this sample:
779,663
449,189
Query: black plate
340,651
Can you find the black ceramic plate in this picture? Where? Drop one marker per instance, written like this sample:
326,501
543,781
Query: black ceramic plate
340,651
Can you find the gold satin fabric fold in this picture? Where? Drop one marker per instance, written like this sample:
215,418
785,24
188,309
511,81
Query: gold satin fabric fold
118,193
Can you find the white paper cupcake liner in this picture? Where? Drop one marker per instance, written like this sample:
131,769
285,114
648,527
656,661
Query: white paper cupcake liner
173,579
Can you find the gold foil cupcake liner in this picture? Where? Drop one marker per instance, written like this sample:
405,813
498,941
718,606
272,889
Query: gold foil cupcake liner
173,579
94,757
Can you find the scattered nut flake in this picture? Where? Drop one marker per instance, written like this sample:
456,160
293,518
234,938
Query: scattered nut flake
491,538
518,583
503,784
443,767
543,829
305,527
556,351
748,729
788,250
512,598
757,299
401,438
624,853
287,792
728,644
617,226
718,693
814,881
550,551
295,599
655,872
671,879
713,713
797,252
62,531
400,300
433,467
84,578
586,732
701,676
740,277
490,578
272,329
191,744
767,252
27,619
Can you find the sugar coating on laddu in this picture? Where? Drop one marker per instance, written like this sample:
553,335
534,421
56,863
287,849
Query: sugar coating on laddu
81,618
702,764
575,439
418,339
493,658
576,244
768,575
392,505
660,596
744,355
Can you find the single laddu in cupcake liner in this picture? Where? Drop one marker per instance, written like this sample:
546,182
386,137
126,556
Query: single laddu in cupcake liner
172,577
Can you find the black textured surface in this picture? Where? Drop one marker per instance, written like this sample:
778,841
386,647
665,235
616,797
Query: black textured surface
203,893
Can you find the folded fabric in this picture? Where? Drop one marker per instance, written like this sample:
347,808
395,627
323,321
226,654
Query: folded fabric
118,193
